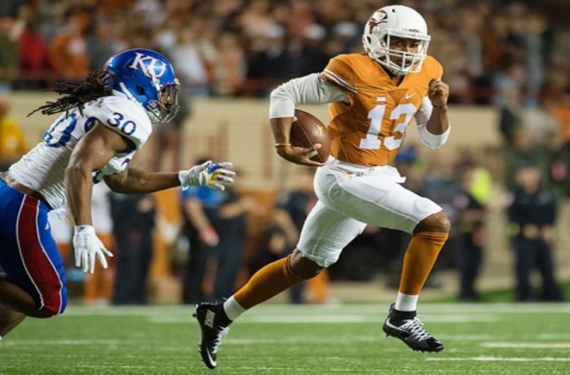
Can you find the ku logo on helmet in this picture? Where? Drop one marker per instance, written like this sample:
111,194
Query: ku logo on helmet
149,64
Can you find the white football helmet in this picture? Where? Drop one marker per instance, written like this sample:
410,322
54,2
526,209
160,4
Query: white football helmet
398,21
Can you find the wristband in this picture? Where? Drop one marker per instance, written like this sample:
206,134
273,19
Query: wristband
277,145
439,106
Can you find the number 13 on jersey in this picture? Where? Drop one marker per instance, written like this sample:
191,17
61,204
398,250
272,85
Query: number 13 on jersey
376,116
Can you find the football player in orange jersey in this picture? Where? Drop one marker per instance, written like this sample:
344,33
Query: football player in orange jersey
373,98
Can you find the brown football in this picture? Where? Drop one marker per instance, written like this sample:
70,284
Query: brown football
308,130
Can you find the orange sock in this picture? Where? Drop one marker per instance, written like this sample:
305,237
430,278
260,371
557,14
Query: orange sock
266,283
420,257
319,287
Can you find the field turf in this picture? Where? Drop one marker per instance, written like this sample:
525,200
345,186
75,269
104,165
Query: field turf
280,339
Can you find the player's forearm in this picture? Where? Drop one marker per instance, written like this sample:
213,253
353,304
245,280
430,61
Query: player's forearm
281,129
136,181
438,122
78,181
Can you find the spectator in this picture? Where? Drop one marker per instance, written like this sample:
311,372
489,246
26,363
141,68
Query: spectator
477,40
12,142
561,110
511,114
10,8
8,53
133,218
102,43
229,66
233,211
200,212
35,62
69,48
558,171
470,239
536,43
269,62
532,214
524,150
190,63
315,57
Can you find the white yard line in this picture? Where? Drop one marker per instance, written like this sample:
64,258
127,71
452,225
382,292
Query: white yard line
377,310
526,345
501,359
324,319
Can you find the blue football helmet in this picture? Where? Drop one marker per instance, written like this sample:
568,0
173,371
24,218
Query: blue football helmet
147,78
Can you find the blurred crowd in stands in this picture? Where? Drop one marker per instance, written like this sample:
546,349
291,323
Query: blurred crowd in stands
496,53
245,47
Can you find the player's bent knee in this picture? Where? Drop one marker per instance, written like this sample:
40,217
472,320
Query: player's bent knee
438,222
45,313
304,267
54,302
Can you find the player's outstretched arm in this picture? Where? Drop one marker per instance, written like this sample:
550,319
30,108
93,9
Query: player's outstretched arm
138,181
92,152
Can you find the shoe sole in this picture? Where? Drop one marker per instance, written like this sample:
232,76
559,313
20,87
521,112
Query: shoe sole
413,349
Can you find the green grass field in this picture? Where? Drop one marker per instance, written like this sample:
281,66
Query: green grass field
277,339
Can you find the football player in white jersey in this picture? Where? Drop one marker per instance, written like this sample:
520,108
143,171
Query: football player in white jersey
104,121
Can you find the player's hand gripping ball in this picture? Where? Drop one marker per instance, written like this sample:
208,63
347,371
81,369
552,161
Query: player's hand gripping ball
307,131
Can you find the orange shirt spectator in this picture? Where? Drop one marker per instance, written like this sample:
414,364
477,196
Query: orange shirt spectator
562,113
12,142
69,49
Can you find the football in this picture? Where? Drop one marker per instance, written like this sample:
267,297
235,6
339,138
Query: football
308,130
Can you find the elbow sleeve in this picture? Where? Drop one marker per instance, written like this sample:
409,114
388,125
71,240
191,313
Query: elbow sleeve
433,141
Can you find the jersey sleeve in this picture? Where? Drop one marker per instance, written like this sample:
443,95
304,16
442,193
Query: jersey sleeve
308,89
340,73
124,117
434,68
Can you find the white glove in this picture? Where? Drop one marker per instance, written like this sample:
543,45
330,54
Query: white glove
207,174
87,246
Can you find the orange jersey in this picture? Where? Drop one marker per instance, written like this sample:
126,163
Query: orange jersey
370,129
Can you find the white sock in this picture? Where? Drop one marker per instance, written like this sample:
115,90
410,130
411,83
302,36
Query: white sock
0,337
233,309
406,302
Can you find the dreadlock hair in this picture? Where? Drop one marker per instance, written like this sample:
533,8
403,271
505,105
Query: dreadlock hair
95,86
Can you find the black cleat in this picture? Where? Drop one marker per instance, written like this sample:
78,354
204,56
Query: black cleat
411,332
208,316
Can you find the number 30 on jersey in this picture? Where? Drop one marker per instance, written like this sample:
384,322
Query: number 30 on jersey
127,127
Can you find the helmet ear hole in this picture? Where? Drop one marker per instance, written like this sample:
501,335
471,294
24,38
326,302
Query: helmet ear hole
140,90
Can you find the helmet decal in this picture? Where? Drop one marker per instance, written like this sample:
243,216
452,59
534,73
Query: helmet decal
154,67
376,19
145,77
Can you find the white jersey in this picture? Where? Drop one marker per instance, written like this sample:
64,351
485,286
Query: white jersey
43,168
